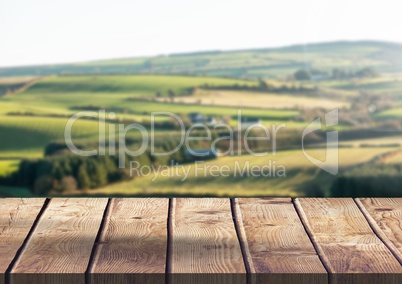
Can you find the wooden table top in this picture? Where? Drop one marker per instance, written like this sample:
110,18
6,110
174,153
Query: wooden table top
201,240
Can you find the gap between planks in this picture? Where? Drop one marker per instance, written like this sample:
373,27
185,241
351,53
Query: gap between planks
24,243
346,241
378,231
239,226
238,223
80,221
303,219
99,235
277,247
236,217
34,225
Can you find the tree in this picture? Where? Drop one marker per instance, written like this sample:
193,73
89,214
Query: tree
302,75
54,148
57,171
338,74
171,95
82,178
148,64
68,184
96,172
43,185
263,85
101,174
367,73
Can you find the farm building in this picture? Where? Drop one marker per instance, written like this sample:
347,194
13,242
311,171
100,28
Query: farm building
247,122
199,118
202,154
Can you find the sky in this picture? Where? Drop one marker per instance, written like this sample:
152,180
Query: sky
52,31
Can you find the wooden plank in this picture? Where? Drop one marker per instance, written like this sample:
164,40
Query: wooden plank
132,246
278,248
60,247
204,247
385,217
347,245
17,215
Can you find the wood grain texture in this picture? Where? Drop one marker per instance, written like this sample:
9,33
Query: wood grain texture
60,247
346,243
203,241
385,217
278,248
17,215
132,246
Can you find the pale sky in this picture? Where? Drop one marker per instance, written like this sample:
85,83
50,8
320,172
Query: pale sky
53,31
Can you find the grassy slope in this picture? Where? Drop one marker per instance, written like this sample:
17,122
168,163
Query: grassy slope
60,94
27,136
300,174
299,171
387,85
12,84
395,113
6,191
8,166
56,95
276,62
140,85
384,86
396,158
260,100
271,62
150,106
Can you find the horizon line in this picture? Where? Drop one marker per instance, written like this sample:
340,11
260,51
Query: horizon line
200,52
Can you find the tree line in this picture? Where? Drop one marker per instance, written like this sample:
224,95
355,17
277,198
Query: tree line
264,86
61,171
336,74
384,180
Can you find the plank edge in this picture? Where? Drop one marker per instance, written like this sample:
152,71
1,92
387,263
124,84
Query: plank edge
170,228
19,253
378,232
101,234
241,235
320,252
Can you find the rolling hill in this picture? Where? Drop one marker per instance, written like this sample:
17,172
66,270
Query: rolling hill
34,109
266,63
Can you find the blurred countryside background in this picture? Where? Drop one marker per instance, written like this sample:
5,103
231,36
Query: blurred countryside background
289,67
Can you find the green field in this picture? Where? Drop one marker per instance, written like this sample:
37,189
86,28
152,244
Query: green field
385,85
35,103
178,108
299,173
27,136
140,85
250,99
8,166
11,85
394,159
395,113
8,191
60,95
